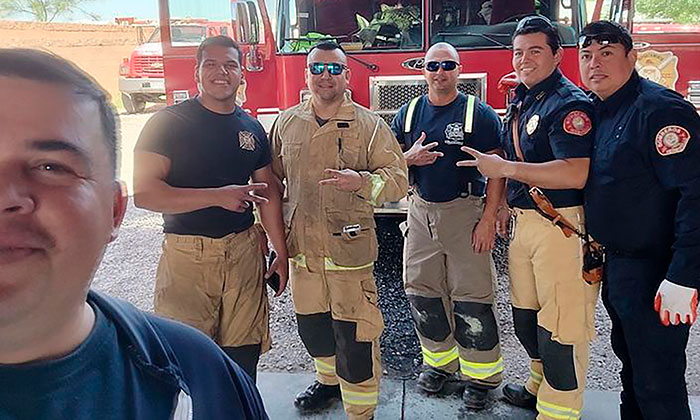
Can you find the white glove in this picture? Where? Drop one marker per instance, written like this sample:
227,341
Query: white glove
676,304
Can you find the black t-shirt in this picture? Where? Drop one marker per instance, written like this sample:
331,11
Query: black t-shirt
206,150
444,180
96,380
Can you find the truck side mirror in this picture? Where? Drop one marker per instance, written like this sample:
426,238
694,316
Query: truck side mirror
244,19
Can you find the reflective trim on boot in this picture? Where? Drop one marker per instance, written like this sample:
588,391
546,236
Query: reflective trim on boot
480,370
439,359
360,398
557,411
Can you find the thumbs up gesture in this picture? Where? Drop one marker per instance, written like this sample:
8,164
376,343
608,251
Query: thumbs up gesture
421,154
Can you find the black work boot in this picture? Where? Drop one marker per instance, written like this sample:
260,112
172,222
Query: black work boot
474,397
518,396
432,380
317,396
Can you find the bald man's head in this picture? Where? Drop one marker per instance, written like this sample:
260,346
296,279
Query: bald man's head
441,69
445,49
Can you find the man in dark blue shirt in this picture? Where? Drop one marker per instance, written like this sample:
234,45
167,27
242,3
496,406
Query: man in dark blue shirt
547,137
66,353
450,232
642,199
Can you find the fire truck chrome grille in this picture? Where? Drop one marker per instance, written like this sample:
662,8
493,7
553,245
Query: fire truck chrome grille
148,65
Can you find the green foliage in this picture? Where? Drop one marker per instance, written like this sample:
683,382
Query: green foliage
43,10
679,11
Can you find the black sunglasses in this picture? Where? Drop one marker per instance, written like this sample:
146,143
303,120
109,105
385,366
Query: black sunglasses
334,69
603,38
538,22
447,65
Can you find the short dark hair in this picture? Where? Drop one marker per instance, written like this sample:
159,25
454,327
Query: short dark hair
539,24
219,41
610,27
327,46
42,66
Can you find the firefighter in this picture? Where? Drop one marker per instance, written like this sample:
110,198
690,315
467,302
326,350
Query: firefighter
338,160
548,137
450,232
642,198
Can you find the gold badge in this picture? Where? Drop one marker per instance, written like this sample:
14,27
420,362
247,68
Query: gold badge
659,67
532,124
246,140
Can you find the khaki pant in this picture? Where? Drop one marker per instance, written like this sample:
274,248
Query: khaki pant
553,310
340,324
451,290
216,286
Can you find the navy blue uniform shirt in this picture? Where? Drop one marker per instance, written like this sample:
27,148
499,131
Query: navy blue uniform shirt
444,180
555,123
206,150
643,191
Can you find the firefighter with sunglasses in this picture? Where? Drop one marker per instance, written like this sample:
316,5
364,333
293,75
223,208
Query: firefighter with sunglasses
338,160
548,135
450,231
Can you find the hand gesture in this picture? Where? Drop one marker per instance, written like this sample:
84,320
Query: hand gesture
343,180
421,154
238,197
508,81
484,235
490,165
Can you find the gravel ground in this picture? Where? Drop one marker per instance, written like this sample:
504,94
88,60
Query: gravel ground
128,271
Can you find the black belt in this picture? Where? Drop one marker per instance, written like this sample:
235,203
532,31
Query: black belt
636,254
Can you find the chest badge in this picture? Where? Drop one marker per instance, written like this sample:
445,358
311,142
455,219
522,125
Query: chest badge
454,133
671,139
532,124
577,123
246,140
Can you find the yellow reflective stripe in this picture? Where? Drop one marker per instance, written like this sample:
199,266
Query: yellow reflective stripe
360,398
409,115
536,377
377,183
331,266
469,114
480,370
557,411
324,367
299,260
439,358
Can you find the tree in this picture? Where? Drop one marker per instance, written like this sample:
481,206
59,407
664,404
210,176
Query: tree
43,10
679,11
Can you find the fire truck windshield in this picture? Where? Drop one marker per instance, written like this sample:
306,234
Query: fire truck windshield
357,24
491,23
183,34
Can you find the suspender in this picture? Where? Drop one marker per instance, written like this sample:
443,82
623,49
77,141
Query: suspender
468,114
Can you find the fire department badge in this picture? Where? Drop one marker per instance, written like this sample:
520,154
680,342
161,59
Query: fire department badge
577,123
532,124
454,133
246,140
659,67
671,139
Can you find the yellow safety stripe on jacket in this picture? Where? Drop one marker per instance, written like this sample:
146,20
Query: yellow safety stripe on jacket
468,114
409,114
536,377
378,184
331,266
323,367
439,358
360,398
480,370
557,411
299,260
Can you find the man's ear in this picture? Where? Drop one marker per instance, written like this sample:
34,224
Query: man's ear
559,55
632,57
119,205
196,74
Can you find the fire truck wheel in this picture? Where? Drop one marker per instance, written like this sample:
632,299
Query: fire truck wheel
133,104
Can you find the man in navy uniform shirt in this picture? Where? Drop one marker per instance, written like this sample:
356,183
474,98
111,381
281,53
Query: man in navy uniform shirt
642,199
447,265
547,138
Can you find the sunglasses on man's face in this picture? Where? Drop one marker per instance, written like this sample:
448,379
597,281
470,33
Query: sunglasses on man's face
447,65
334,69
603,38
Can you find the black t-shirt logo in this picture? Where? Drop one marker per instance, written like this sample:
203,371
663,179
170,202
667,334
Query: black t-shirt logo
246,139
454,133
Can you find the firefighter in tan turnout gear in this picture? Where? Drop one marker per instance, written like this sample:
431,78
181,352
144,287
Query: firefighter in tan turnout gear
450,232
338,160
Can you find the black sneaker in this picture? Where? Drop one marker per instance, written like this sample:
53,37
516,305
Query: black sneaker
432,380
474,397
518,396
317,396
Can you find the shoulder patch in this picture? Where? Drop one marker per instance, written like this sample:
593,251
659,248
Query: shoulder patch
577,123
246,140
671,139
